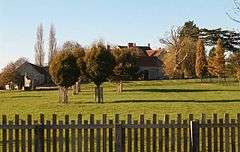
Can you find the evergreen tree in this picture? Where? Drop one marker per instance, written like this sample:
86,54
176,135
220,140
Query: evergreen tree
210,63
189,29
201,61
230,39
219,61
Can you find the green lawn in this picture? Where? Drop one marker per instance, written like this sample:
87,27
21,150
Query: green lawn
149,97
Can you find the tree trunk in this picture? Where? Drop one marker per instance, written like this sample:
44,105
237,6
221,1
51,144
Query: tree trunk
63,95
219,79
60,94
120,87
78,87
74,89
99,94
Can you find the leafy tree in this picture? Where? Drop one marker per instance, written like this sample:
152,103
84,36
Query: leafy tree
210,63
65,72
201,61
126,65
219,61
189,29
39,47
9,73
179,61
79,54
187,57
238,74
233,64
172,62
52,43
230,39
71,46
99,66
169,60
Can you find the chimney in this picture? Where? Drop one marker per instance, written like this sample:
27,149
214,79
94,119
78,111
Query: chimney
108,47
130,45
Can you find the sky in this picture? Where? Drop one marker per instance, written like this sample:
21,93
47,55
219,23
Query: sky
115,21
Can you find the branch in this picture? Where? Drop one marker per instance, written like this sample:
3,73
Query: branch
236,11
179,63
232,18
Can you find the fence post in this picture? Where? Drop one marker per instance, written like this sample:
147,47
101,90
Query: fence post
36,137
39,135
194,130
39,138
118,137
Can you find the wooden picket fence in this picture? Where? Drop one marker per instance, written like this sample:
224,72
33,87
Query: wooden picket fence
116,135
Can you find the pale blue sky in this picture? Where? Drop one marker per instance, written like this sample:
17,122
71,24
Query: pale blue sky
116,21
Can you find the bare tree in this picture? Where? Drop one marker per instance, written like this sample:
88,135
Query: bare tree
234,14
180,55
39,46
52,43
173,45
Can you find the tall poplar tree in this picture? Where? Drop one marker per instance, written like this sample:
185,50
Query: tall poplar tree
39,47
211,61
52,43
219,61
201,61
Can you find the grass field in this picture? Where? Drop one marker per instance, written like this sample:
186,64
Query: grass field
149,97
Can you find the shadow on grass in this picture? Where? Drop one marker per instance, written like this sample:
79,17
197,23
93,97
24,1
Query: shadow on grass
175,90
30,96
176,101
164,101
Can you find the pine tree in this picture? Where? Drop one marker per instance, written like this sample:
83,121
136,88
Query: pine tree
39,47
52,44
201,61
219,61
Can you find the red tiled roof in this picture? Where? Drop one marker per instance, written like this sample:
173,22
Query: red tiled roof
153,52
149,62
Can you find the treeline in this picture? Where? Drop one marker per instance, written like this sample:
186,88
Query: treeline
185,54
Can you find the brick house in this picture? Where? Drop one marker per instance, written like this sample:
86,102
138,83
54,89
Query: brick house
150,64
